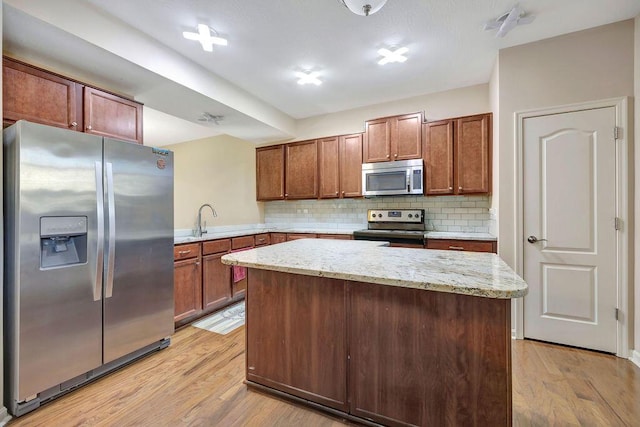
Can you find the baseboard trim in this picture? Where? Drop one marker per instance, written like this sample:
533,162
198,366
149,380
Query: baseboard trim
635,357
4,416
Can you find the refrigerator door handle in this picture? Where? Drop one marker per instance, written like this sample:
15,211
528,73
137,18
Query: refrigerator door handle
111,249
97,287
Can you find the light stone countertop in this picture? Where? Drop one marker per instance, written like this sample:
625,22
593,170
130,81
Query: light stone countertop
469,273
252,229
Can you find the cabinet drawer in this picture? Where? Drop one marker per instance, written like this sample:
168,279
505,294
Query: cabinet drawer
296,236
278,238
335,236
262,239
462,245
190,250
242,242
216,246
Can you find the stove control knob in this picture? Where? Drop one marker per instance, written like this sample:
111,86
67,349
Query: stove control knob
410,216
373,215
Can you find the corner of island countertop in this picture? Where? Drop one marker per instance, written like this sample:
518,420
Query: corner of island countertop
470,273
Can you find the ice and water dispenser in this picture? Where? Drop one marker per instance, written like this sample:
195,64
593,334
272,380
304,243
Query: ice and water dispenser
63,241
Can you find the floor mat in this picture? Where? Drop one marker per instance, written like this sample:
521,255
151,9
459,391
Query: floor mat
224,321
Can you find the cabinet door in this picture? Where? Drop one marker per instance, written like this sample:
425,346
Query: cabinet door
187,288
406,139
112,116
38,96
270,173
351,165
472,152
438,159
301,174
377,141
278,238
216,286
329,167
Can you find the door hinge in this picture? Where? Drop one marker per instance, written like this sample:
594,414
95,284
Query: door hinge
617,314
617,223
616,132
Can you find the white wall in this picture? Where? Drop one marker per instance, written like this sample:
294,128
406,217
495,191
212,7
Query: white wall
494,98
3,410
220,171
594,64
452,103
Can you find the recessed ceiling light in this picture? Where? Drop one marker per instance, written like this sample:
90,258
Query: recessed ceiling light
204,36
308,78
392,56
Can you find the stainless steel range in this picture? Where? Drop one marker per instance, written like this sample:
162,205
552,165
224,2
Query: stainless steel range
399,227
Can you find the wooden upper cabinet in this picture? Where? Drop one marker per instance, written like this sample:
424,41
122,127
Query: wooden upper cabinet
340,166
35,95
458,156
270,173
473,154
377,141
301,176
351,165
329,167
438,157
393,138
112,116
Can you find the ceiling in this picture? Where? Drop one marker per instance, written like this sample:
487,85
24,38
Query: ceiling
270,40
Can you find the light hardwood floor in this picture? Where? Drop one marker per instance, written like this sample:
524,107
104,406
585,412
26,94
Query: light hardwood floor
197,381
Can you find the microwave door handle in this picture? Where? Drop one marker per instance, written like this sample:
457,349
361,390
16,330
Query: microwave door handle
408,180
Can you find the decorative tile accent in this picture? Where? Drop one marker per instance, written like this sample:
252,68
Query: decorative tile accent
469,214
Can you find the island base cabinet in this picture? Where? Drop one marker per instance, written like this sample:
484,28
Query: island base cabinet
429,358
296,336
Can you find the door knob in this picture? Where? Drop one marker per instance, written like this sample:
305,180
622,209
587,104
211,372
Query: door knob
534,239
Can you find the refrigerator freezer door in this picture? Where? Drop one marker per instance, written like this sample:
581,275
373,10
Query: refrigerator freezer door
54,323
138,303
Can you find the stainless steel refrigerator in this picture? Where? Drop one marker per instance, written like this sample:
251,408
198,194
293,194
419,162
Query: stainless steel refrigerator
88,258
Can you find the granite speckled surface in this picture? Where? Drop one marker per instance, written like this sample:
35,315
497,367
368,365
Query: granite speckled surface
469,273
252,229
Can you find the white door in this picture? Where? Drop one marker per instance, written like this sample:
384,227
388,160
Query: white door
570,208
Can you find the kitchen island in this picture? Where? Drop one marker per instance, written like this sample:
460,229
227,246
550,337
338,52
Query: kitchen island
391,335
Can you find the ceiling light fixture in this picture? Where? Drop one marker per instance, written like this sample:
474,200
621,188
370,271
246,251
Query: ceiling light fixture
309,78
395,56
210,118
204,36
363,7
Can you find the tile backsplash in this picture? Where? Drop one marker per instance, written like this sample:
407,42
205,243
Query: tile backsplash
443,213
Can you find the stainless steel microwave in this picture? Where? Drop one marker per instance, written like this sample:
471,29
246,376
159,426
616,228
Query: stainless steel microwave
403,177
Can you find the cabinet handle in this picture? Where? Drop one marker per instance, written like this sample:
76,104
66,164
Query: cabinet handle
197,262
459,188
387,156
184,252
73,124
89,127
450,188
261,240
395,155
286,194
336,193
456,248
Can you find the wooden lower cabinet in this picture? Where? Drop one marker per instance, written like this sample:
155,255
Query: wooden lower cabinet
278,238
296,236
216,279
298,345
463,245
392,355
187,278
429,358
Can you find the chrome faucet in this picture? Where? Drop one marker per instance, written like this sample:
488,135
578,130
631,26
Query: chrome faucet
199,229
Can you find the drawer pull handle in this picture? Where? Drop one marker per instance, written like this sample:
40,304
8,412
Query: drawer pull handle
184,252
456,248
